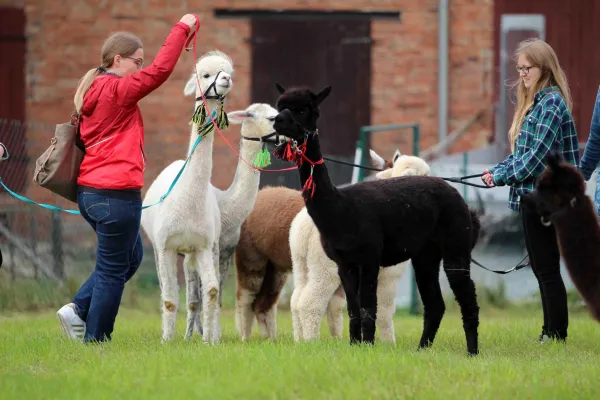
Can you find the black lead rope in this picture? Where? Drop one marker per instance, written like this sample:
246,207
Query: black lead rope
517,267
351,164
266,139
461,180
458,179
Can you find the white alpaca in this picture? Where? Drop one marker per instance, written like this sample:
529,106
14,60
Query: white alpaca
188,221
317,285
403,165
236,203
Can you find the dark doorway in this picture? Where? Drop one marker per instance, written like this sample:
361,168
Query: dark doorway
317,52
12,98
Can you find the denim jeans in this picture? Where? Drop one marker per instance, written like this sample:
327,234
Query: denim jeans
544,256
118,256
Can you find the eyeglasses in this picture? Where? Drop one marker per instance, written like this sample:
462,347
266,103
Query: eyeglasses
138,61
525,70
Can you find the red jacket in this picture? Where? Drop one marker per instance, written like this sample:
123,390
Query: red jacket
112,129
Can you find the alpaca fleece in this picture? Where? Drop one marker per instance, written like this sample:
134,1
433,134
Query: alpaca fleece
560,198
262,258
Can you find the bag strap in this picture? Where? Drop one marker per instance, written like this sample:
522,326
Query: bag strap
76,120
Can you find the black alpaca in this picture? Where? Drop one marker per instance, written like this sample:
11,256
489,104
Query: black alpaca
560,199
382,223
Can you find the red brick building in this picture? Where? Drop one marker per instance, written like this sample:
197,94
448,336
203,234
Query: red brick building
383,65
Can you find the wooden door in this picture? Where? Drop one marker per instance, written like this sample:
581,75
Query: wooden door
12,98
319,52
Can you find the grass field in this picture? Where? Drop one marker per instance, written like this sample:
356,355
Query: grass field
35,362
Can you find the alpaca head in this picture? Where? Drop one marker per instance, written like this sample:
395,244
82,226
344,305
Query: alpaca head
298,111
257,120
402,165
215,70
379,162
560,186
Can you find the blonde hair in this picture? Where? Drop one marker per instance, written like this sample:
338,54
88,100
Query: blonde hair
119,43
540,55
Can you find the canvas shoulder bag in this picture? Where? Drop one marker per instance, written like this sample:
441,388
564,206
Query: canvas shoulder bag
57,169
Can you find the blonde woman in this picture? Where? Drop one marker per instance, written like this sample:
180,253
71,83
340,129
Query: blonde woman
542,123
112,172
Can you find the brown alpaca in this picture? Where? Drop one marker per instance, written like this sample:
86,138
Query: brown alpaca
262,257
560,199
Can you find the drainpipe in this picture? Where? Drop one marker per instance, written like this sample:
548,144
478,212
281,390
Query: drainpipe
443,37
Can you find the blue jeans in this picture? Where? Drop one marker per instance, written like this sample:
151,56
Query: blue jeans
119,254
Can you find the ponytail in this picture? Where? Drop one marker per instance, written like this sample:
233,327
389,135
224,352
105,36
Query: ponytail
83,87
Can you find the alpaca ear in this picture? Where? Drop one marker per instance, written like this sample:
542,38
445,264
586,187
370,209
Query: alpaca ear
190,87
280,88
384,174
376,160
553,160
237,117
322,95
397,155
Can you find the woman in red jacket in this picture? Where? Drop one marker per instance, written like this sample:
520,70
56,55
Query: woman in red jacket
112,172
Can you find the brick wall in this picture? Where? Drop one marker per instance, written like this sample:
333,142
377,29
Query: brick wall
64,42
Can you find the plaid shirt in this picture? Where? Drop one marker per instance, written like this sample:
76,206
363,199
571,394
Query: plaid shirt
547,126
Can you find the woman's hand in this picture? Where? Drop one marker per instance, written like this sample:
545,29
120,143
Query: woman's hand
487,178
189,20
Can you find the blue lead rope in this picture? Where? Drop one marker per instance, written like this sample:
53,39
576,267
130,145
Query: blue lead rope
77,212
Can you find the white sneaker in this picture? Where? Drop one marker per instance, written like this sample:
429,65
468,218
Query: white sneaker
72,326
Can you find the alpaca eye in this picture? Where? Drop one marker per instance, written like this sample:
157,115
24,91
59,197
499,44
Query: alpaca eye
206,76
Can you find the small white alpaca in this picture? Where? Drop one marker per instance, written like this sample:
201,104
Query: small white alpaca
317,285
403,165
188,221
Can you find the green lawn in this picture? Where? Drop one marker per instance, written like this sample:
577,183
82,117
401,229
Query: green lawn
36,363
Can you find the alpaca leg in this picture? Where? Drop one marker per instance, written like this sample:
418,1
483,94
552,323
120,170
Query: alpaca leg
319,293
192,295
244,317
350,278
265,303
198,319
427,271
224,264
157,269
167,269
457,257
249,277
219,263
312,305
267,323
464,291
323,280
300,272
335,312
209,275
367,296
386,301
